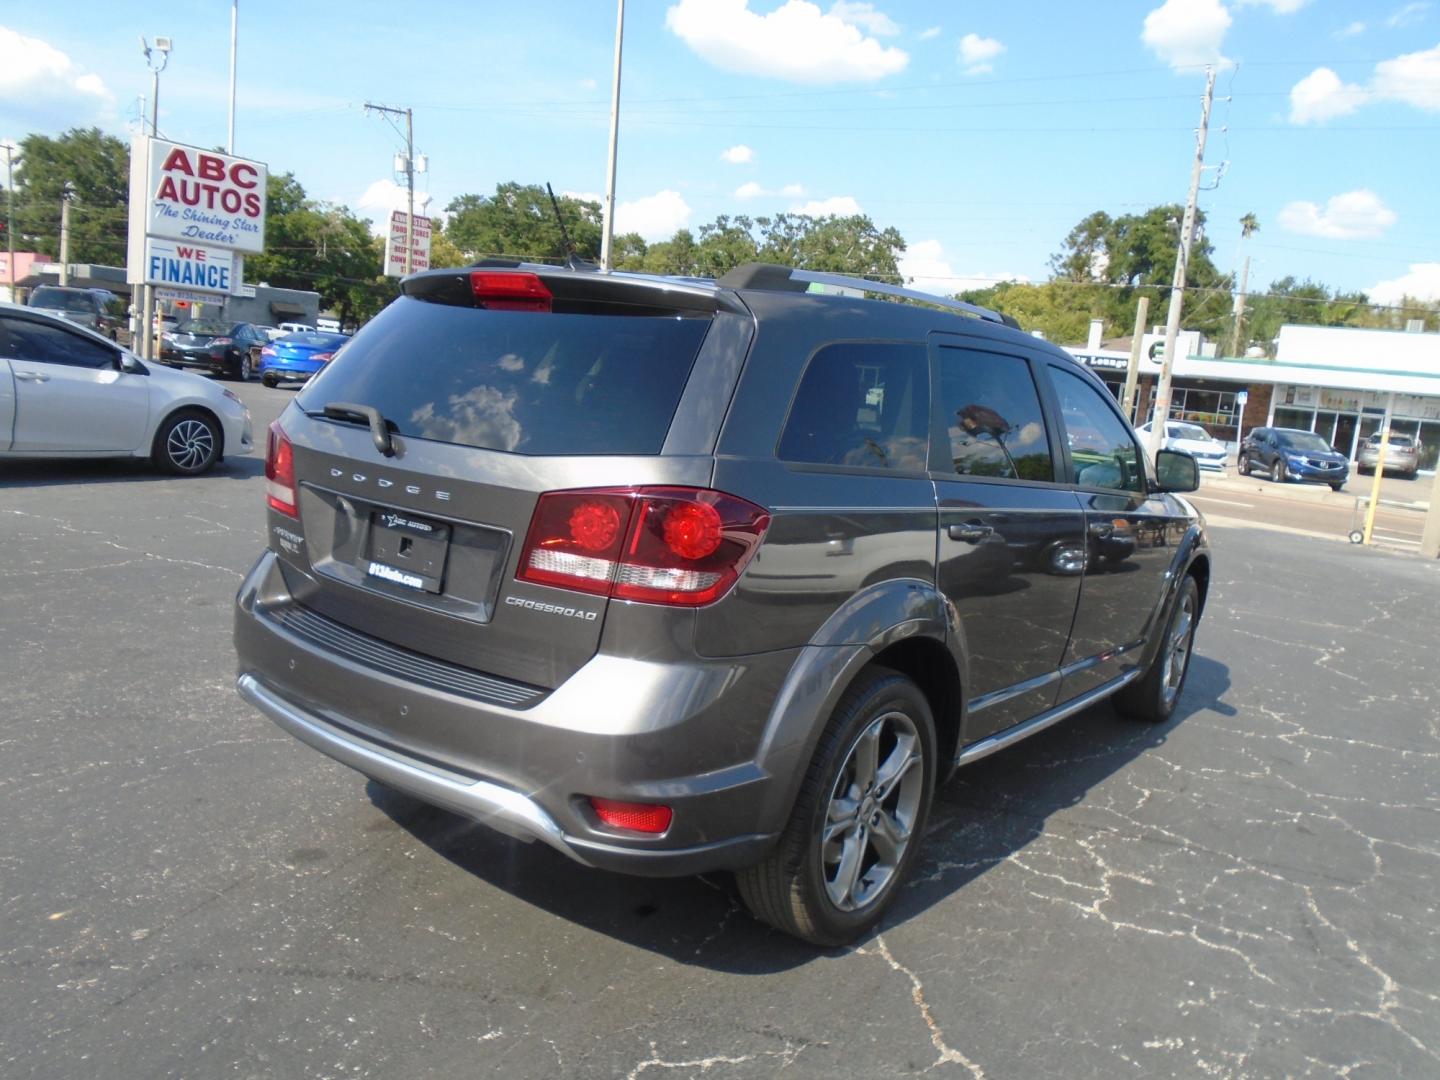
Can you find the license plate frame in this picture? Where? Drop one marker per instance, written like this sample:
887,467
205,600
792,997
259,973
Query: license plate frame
407,550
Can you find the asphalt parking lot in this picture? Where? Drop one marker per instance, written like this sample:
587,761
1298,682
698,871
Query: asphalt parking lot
1246,891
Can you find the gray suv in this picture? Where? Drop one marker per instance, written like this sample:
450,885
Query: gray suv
678,576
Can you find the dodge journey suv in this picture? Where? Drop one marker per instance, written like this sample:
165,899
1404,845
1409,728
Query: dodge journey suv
680,576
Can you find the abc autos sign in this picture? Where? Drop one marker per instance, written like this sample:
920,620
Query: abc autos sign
195,197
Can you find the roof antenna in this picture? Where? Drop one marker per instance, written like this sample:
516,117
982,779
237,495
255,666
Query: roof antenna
572,253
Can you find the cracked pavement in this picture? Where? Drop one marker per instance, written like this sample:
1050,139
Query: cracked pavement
1247,891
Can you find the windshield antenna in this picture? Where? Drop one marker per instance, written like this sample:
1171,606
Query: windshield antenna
572,253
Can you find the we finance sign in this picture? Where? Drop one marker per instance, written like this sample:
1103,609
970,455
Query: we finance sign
204,198
188,266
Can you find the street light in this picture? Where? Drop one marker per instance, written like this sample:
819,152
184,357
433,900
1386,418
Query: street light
162,46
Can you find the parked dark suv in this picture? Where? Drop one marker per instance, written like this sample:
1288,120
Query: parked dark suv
678,575
1292,454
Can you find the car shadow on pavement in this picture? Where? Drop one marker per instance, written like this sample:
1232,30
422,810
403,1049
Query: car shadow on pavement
53,472
988,812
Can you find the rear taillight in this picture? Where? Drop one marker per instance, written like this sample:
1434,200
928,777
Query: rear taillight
510,291
323,357
660,545
280,472
268,350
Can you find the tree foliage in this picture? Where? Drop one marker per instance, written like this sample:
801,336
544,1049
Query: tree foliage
97,168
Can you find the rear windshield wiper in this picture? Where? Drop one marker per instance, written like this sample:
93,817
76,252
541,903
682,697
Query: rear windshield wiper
368,414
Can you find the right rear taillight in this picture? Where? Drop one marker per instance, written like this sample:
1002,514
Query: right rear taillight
280,472
661,545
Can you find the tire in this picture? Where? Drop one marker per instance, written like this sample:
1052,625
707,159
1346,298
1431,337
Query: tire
270,380
1278,472
187,443
1337,487
1242,466
245,369
807,885
1155,694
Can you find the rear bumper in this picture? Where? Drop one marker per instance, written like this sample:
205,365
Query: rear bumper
287,371
617,728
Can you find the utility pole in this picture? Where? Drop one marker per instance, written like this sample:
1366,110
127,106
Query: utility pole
1239,309
607,232
1132,373
409,176
10,216
149,332
234,30
65,236
1182,267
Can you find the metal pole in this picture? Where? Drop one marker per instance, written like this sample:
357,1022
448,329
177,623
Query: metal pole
1430,538
607,232
409,190
1182,266
1132,373
65,239
234,29
10,217
1239,309
1379,472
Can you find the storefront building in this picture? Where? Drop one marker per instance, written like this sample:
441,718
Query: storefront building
1336,381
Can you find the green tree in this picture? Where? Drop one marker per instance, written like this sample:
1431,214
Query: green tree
96,166
518,221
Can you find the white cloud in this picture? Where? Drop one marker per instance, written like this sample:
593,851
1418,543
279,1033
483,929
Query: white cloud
925,266
753,190
793,191
42,87
861,14
1280,7
583,196
1355,29
838,205
1413,78
750,190
1353,215
1422,282
929,32
738,155
383,196
1322,95
1187,33
1408,15
654,217
587,84
976,52
796,42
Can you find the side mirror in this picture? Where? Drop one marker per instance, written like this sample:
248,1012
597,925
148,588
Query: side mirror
130,366
1176,471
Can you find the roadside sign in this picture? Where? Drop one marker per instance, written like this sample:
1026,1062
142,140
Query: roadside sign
396,240
188,266
186,296
1242,398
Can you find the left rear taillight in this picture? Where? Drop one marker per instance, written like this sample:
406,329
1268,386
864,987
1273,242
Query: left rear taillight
323,357
681,547
280,472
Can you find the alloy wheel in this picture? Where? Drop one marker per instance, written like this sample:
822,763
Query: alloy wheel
870,819
190,444
1177,647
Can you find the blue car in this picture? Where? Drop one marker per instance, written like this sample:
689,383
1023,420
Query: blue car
295,357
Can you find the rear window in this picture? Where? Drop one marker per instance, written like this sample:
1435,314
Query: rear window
57,299
311,337
539,383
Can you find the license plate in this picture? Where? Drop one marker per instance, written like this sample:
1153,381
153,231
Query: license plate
407,551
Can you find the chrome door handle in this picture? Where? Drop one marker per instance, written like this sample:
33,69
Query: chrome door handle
972,532
32,376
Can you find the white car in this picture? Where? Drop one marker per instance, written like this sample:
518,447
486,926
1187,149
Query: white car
1208,451
68,392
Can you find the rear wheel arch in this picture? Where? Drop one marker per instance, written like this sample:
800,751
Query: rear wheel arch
1199,569
931,667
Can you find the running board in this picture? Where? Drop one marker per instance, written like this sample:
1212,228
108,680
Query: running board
1001,739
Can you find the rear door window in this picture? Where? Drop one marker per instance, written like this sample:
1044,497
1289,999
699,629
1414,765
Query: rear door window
524,382
992,413
862,404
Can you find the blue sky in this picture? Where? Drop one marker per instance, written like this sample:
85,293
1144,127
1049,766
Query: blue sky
983,132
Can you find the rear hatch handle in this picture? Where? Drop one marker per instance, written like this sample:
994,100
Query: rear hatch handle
379,426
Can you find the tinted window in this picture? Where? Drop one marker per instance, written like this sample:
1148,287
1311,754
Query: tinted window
1302,440
44,343
58,299
864,405
521,381
212,327
313,338
993,416
1101,448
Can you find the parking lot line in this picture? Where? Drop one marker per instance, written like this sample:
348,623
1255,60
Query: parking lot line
1227,502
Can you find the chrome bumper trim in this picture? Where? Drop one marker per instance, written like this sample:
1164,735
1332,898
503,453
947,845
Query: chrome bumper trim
500,808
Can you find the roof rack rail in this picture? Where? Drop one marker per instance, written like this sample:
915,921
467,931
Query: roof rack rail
773,276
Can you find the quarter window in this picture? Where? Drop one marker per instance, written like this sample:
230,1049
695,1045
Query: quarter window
993,417
43,343
865,405
1101,447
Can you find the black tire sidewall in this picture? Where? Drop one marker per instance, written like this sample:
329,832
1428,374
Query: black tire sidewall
895,694
161,454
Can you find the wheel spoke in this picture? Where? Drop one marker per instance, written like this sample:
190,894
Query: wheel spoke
847,873
866,755
888,838
893,769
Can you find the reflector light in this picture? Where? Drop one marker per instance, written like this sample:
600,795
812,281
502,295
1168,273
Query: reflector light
650,818
660,545
502,291
280,472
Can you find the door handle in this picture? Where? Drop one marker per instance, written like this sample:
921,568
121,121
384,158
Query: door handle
32,376
972,532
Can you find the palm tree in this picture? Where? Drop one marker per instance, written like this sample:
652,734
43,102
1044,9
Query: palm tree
1249,226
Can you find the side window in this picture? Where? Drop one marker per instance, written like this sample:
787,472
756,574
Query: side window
42,343
1101,447
992,413
862,404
